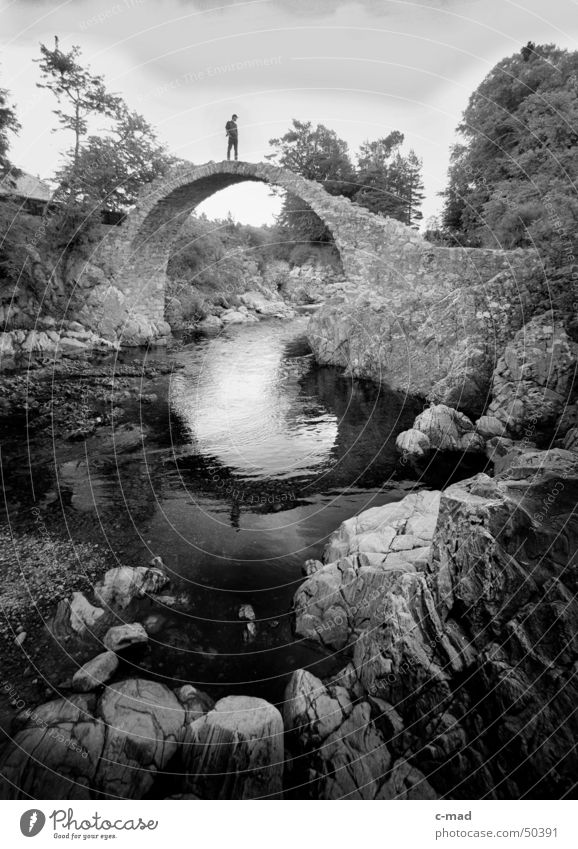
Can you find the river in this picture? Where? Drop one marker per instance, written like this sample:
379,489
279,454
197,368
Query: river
235,468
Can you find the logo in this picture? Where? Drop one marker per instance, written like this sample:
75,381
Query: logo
32,822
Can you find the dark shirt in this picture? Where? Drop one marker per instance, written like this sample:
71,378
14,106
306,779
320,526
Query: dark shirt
231,128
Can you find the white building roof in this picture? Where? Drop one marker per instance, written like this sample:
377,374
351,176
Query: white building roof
26,186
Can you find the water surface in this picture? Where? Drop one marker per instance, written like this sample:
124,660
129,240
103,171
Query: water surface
236,472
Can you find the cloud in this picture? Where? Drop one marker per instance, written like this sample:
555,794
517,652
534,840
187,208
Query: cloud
323,8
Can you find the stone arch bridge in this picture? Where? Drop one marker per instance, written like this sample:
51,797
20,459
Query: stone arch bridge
128,300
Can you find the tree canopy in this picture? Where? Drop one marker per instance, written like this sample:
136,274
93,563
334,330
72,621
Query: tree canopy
385,181
80,93
389,183
103,171
512,177
111,169
317,153
8,124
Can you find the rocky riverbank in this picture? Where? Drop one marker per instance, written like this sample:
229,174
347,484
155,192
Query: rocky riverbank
463,641
30,335
451,614
455,617
276,293
532,400
441,342
74,398
68,401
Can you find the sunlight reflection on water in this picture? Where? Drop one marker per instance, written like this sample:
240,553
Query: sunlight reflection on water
243,404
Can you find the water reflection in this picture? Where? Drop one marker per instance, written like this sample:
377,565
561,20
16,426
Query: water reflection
242,401
248,459
260,427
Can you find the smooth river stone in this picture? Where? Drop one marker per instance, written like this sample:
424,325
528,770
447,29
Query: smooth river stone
122,636
236,751
96,672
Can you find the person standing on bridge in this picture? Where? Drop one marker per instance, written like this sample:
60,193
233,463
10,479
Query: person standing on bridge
232,134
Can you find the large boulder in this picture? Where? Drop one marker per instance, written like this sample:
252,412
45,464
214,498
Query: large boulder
466,384
76,616
145,724
235,751
514,577
211,323
402,526
468,659
448,430
136,330
440,428
534,378
490,426
232,316
362,559
38,342
84,748
340,750
311,710
501,451
413,444
121,585
264,306
56,753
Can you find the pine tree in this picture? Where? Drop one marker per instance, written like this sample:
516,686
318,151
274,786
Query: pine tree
8,124
316,153
414,193
111,169
82,92
378,176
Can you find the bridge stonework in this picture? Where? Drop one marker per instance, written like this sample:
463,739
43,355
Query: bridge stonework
376,253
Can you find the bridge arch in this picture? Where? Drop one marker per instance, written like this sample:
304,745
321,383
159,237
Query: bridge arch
141,246
379,255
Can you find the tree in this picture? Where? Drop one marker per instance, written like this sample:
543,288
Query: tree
413,189
511,181
100,171
111,169
316,153
14,229
378,176
460,186
83,92
8,124
390,183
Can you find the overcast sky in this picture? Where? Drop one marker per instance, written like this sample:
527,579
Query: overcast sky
362,68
